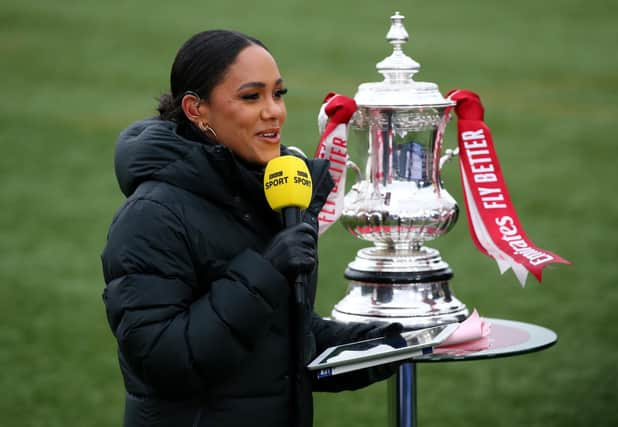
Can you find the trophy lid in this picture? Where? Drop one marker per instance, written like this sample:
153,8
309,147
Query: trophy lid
398,88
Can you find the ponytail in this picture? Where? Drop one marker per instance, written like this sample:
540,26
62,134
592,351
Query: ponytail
170,108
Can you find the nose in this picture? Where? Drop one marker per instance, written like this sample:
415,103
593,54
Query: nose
274,109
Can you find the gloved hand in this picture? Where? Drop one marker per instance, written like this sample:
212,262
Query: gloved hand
392,332
293,250
383,329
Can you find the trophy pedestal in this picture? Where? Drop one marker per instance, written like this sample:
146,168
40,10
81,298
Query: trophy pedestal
410,287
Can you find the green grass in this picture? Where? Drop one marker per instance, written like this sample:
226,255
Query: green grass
74,74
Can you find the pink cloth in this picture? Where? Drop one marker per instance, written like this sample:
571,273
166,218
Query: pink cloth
471,335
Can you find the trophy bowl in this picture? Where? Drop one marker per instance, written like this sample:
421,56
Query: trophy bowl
399,199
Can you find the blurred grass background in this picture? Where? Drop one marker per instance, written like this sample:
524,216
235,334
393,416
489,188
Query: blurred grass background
74,73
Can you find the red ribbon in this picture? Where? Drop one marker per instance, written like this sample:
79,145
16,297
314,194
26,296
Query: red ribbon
336,112
494,225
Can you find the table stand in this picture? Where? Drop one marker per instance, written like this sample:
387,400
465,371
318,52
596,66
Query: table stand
402,397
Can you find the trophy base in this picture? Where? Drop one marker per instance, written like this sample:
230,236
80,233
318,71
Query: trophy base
409,287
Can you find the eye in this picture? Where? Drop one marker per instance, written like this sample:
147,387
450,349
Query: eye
279,93
250,96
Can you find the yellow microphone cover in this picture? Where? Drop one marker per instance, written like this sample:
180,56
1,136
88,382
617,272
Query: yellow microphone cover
287,182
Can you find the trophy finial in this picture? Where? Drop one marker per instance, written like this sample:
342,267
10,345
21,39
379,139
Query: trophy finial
398,67
397,34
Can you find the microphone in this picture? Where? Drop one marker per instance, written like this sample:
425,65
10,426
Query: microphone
288,187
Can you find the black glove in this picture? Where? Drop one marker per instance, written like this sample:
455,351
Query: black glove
384,330
392,332
293,250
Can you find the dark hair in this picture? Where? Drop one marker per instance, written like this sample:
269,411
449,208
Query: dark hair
201,64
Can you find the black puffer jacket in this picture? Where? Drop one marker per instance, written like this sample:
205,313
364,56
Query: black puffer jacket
201,318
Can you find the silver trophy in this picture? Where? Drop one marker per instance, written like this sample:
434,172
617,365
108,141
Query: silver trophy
398,201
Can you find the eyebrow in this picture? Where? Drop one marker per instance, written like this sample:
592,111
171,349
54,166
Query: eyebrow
256,85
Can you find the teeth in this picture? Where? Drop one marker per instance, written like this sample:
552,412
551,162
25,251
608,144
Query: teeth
268,135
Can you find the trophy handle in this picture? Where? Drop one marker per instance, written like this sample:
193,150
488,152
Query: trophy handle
450,153
295,150
359,174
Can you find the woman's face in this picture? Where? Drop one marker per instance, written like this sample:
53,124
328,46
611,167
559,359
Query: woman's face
246,110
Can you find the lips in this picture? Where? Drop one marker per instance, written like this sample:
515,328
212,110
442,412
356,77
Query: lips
271,135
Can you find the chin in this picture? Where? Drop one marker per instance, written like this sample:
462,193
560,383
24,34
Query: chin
265,157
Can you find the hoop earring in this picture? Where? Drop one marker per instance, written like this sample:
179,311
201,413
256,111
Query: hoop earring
205,127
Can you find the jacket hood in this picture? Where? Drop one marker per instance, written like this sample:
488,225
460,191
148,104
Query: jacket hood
152,150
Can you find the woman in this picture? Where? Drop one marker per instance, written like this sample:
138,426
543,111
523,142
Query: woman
198,268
